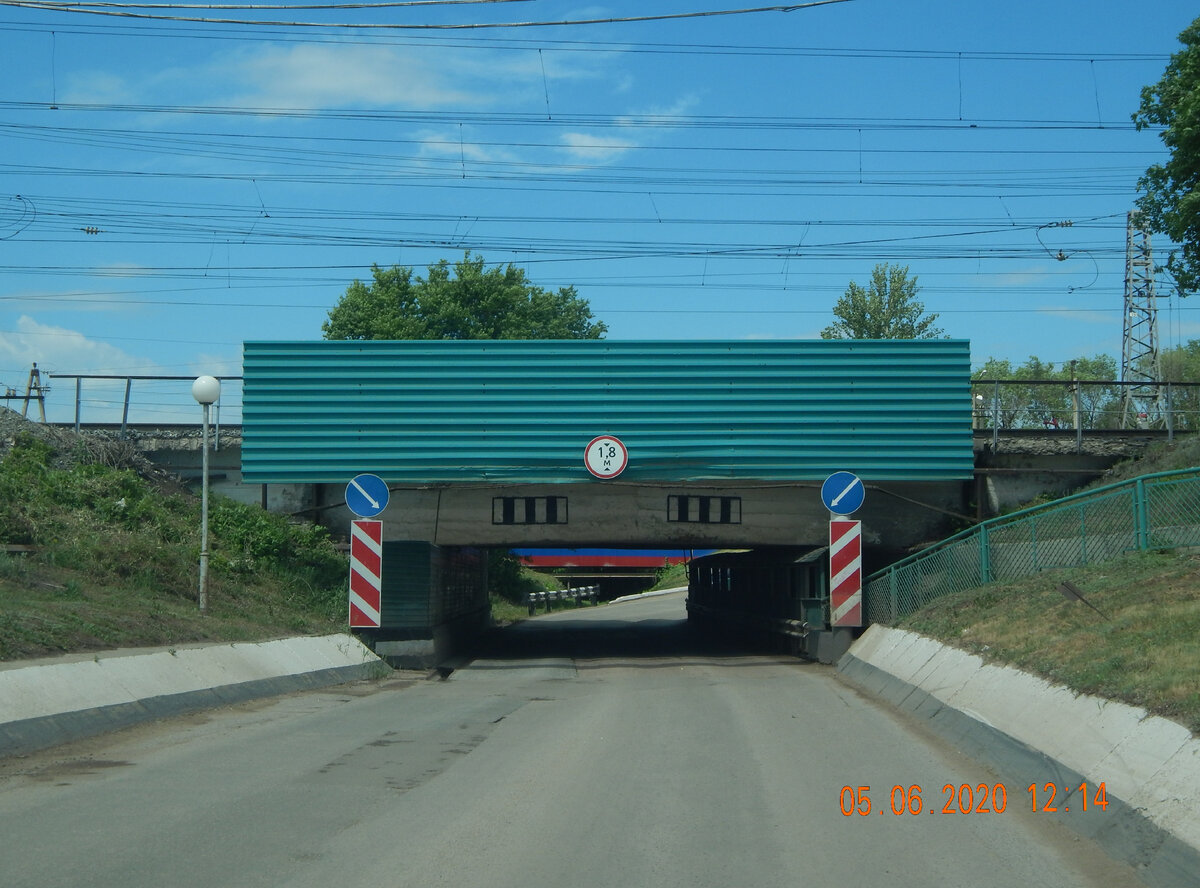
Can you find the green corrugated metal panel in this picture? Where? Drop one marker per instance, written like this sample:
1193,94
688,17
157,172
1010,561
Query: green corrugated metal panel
514,411
406,599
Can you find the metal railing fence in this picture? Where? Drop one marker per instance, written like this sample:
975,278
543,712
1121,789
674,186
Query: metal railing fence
1159,511
1095,404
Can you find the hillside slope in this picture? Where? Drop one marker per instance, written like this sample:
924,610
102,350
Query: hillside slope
100,550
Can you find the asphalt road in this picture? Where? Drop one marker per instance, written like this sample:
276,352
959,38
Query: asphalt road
603,747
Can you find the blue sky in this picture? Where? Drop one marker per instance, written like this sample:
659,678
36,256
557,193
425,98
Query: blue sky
701,178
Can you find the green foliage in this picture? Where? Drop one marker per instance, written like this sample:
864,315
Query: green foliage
1171,199
509,579
505,612
121,549
91,515
247,541
886,309
670,576
466,301
1182,364
20,474
1039,403
504,575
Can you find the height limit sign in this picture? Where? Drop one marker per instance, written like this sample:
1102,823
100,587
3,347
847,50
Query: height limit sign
606,457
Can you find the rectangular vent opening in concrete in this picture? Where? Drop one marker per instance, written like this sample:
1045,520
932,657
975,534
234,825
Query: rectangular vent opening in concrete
529,510
704,509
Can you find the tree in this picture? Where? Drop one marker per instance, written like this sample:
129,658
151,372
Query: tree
1182,364
1029,401
887,309
1171,202
1002,405
1100,406
466,301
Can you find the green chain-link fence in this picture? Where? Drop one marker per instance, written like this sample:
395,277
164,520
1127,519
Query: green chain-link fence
1160,511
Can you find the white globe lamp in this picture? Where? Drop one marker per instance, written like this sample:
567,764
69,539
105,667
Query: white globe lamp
206,390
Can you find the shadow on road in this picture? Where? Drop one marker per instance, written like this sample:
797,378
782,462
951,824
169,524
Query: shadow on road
616,640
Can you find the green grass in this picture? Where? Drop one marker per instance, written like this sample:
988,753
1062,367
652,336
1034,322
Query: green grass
115,563
671,577
513,606
1144,650
1182,453
115,559
46,610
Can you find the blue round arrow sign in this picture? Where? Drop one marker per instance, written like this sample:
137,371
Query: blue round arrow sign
843,493
366,495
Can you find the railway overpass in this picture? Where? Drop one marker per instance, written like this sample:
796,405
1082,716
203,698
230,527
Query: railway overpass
482,444
1011,467
585,443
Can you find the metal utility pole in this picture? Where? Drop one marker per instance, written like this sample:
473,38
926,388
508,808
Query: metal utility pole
1141,368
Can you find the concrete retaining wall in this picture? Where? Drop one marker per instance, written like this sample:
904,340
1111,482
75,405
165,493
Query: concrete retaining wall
48,703
1032,731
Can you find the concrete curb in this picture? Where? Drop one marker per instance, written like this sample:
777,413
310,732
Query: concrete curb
47,704
653,594
1031,731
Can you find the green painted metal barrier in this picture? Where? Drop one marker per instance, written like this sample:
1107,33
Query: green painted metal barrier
1159,511
514,412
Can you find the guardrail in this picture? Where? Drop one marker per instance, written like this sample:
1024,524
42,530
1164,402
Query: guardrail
1158,511
579,594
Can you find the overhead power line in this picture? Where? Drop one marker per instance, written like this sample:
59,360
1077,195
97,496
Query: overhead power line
619,121
493,42
67,6
255,145
128,11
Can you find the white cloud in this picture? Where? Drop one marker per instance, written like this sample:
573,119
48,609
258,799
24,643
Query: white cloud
593,148
300,76
596,149
348,75
343,75
67,350
448,145
62,350
337,76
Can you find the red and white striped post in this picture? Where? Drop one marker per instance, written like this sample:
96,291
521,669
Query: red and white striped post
366,572
845,572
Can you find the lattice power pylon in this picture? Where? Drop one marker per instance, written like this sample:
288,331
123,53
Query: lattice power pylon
1141,369
35,390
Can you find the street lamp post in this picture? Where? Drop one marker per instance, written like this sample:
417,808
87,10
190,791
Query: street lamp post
206,390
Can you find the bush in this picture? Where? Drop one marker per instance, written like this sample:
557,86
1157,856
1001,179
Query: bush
508,578
246,540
